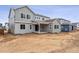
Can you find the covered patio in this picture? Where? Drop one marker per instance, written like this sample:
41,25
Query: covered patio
41,27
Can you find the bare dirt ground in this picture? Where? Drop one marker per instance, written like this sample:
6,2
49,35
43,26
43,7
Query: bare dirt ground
34,43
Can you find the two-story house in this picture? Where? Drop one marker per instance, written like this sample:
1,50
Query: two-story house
23,20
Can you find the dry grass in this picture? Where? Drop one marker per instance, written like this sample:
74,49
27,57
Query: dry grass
7,38
62,42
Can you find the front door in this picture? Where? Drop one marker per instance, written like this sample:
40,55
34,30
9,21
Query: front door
36,27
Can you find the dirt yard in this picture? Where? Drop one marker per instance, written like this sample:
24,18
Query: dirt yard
34,43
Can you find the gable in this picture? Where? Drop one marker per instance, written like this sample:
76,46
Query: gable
56,22
26,8
11,12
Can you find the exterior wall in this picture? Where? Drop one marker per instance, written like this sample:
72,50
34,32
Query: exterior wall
33,26
65,28
64,22
7,26
23,31
25,11
77,26
50,27
70,28
39,18
56,30
1,26
11,21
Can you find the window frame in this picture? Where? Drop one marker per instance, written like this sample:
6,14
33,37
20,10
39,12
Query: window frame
50,26
56,26
22,15
30,27
42,18
22,26
28,16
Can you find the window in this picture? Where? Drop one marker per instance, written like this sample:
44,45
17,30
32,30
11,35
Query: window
56,26
22,26
37,17
14,16
50,26
42,18
22,15
28,17
30,26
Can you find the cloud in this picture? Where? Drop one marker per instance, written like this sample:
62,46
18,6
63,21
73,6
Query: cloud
3,21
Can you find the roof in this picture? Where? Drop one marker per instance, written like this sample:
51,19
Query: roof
62,19
76,23
10,12
41,15
19,8
24,7
52,20
28,9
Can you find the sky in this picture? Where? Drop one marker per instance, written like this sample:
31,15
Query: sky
69,12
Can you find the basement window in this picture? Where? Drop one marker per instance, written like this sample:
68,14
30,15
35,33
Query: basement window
22,26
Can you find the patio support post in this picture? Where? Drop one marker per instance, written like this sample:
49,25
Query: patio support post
39,27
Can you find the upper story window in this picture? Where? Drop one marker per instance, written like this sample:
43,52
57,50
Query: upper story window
22,15
28,16
56,26
42,18
37,17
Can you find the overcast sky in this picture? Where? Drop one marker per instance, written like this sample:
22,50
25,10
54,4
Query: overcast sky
69,12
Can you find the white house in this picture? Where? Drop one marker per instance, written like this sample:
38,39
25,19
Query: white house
7,26
76,25
23,20
66,25
1,26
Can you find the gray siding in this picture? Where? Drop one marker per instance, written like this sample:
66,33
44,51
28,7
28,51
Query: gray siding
23,31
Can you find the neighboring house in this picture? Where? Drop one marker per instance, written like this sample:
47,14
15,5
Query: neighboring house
66,25
7,26
76,25
1,26
24,20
